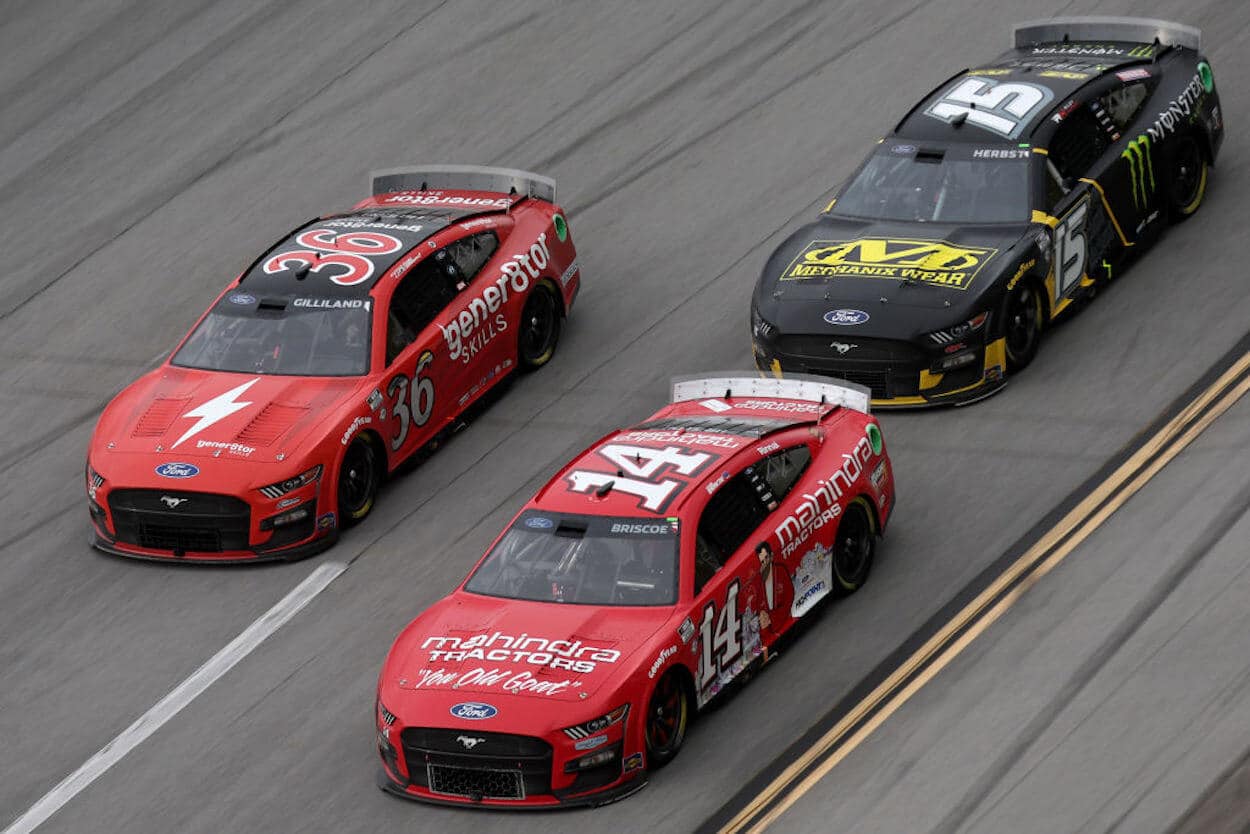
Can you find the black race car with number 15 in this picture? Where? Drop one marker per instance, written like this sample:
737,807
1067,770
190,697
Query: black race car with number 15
1002,199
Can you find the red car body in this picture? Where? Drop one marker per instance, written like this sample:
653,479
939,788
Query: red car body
345,348
649,573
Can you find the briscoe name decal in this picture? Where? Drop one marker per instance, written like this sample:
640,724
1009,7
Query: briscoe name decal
820,506
464,334
573,655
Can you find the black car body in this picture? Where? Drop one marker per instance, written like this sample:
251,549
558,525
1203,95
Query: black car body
999,201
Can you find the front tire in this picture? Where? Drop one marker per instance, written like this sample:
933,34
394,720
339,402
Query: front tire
1187,179
853,548
360,473
1023,315
667,719
540,328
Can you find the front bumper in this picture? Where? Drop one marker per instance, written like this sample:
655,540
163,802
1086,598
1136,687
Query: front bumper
174,525
898,374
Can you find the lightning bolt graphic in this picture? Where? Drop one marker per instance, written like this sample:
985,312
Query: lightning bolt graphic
218,408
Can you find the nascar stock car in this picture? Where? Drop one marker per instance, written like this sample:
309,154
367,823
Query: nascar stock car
352,343
1006,196
657,567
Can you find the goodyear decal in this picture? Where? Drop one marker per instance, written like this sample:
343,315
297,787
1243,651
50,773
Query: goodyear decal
1141,169
931,261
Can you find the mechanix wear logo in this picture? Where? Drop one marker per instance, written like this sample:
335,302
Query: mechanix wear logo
930,261
1141,169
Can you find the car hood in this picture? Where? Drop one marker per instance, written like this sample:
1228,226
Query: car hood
877,268
484,646
197,414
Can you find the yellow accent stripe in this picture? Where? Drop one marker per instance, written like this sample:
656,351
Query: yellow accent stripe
831,202
1044,218
776,369
901,401
996,354
928,380
1042,151
1110,213
1075,527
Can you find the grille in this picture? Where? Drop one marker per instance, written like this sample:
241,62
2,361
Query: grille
487,765
821,347
474,783
877,381
180,521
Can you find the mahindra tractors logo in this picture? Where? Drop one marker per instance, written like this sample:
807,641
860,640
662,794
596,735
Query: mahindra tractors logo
173,503
470,742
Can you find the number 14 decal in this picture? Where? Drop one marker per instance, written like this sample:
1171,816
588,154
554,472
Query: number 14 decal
720,648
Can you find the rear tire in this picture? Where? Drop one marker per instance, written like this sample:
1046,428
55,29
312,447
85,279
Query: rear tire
1023,314
667,719
540,328
360,473
1187,178
853,549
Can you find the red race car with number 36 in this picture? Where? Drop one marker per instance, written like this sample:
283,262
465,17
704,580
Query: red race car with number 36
659,566
354,342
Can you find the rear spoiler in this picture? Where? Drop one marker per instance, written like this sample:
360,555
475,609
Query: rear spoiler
1102,28
727,384
462,178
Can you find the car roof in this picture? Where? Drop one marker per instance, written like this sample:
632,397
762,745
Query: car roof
688,427
389,233
1055,70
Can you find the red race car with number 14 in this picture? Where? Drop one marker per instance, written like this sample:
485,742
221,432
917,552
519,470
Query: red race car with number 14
352,343
657,568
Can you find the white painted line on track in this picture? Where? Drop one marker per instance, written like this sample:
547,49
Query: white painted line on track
173,703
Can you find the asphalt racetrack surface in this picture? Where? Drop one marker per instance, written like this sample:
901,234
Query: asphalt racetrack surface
148,151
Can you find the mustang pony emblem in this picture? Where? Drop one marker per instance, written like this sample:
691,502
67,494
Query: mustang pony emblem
469,742
173,503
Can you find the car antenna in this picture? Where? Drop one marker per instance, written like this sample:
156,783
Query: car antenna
602,491
425,185
301,272
959,119
1154,54
729,393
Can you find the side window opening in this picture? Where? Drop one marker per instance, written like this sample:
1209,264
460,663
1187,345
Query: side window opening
729,518
1123,103
782,470
1078,143
431,285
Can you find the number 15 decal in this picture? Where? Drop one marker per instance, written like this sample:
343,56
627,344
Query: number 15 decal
1070,249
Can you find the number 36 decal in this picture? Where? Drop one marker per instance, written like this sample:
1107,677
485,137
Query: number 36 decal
414,402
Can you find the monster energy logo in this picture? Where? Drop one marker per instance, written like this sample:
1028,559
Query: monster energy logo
1141,170
1141,51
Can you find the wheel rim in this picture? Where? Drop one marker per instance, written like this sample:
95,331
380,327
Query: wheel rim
357,480
538,334
1187,172
853,548
666,716
1023,323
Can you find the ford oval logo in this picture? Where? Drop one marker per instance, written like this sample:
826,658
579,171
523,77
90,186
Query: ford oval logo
474,711
538,522
177,470
242,298
846,317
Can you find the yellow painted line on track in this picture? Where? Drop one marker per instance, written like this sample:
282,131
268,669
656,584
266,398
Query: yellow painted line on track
979,614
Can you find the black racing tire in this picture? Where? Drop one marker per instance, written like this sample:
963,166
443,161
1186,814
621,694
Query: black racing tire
539,332
669,710
1187,178
1023,315
853,548
360,474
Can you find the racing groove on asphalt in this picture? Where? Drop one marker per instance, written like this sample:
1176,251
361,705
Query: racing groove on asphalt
147,154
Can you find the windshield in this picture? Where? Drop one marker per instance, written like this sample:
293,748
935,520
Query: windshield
286,337
585,560
943,186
